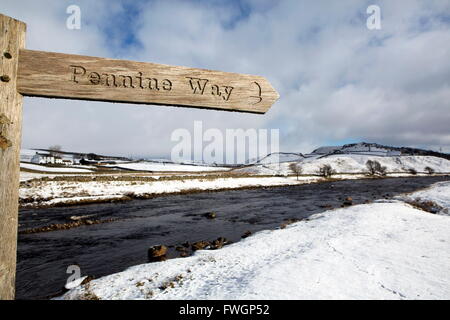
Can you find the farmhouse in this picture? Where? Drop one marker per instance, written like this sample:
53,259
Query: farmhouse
67,162
46,158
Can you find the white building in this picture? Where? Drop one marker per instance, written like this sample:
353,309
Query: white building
46,158
67,162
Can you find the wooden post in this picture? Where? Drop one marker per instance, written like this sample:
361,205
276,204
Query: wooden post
12,38
57,75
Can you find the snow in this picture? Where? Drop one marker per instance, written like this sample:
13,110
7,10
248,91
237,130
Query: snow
384,250
75,283
50,192
169,167
25,176
37,167
362,147
326,149
280,157
355,164
57,192
438,193
27,154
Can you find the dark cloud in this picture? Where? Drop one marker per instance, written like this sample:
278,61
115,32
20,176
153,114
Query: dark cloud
338,80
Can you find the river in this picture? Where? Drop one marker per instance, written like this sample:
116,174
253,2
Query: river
102,249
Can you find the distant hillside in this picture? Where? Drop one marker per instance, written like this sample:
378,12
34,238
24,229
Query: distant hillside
90,156
280,157
361,148
375,148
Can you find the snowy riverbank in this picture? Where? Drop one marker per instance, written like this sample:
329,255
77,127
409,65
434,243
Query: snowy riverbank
49,192
41,189
384,250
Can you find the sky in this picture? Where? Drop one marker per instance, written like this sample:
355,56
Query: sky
339,82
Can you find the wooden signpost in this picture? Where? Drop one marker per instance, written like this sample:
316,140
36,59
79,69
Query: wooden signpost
56,75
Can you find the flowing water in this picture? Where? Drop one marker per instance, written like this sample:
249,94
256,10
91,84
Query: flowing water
103,249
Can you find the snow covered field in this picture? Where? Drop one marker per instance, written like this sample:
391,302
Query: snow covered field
49,172
383,250
58,192
37,167
166,167
48,192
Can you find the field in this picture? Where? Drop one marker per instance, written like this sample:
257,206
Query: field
44,186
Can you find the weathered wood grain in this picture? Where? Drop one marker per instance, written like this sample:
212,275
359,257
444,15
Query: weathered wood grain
57,75
12,38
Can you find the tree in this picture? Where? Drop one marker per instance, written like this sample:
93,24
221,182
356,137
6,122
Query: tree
370,164
412,171
296,168
429,170
56,147
54,150
326,171
93,156
374,167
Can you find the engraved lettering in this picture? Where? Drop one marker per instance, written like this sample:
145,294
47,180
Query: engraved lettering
167,85
152,83
133,80
198,85
136,80
107,77
259,97
130,81
75,73
139,77
227,94
94,78
215,90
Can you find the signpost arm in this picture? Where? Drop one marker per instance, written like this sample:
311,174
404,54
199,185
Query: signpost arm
12,38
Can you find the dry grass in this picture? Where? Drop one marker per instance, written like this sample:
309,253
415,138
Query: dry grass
65,226
427,205
88,294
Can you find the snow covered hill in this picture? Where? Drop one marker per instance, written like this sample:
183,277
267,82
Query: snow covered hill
351,163
384,250
351,158
377,149
359,148
280,157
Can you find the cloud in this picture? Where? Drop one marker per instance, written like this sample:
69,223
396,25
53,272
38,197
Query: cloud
338,80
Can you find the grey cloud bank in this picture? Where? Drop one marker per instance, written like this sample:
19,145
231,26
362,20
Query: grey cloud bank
338,80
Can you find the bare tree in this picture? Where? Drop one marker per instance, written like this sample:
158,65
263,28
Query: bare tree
54,150
326,171
370,164
429,170
56,147
374,167
296,168
381,170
